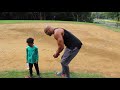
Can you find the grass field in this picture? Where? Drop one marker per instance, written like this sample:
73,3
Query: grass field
22,74
99,54
39,21
107,20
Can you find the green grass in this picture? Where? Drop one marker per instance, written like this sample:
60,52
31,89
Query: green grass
111,21
20,21
38,21
107,20
22,74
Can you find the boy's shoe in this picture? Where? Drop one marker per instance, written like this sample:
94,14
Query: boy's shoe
60,74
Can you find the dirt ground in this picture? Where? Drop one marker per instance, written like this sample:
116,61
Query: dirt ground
99,54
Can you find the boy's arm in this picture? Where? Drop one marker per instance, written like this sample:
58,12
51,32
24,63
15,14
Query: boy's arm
26,55
37,55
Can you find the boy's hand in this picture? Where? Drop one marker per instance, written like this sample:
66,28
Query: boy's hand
36,62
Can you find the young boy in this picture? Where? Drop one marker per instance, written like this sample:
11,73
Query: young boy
32,56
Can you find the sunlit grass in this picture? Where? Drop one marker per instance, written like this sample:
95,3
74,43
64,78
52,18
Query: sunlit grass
23,74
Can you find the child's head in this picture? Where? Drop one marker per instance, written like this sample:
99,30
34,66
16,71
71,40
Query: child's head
30,42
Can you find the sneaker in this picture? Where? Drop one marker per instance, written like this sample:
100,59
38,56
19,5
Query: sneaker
60,74
67,77
39,76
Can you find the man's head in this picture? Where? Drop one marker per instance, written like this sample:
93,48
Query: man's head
30,42
49,30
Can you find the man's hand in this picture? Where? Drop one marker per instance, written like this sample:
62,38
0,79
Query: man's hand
56,55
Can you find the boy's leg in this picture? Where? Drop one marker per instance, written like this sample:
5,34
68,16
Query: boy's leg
30,69
37,68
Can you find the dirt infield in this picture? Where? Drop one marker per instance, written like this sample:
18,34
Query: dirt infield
100,52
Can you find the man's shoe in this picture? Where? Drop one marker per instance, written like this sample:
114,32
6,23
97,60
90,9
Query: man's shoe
39,76
60,74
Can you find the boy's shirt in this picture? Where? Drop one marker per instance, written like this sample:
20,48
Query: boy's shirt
32,54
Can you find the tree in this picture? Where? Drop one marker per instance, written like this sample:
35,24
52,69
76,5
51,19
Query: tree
65,16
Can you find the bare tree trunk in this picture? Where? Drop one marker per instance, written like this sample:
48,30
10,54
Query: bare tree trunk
117,22
44,16
40,15
77,18
33,17
118,18
73,15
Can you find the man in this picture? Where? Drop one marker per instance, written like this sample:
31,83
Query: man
72,43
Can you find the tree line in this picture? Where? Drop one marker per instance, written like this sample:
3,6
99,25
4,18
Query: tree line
107,15
65,16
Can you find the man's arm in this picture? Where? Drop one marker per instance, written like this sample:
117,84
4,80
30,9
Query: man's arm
58,36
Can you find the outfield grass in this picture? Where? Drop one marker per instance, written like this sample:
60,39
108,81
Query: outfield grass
22,74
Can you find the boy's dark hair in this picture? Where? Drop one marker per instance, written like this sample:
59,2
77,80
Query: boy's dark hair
30,40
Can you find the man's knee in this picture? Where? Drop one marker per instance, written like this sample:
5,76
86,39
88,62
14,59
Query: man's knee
63,63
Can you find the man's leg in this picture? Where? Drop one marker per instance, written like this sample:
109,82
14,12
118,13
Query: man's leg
66,59
30,69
